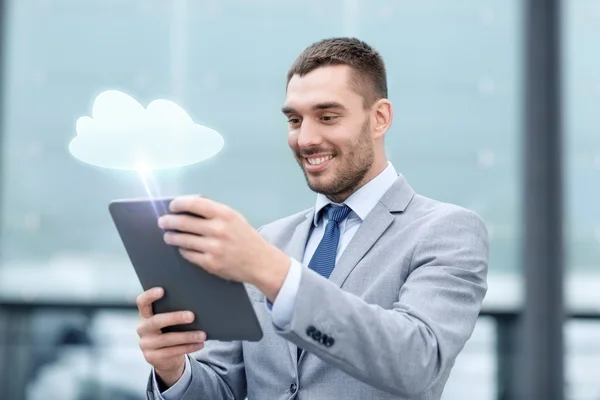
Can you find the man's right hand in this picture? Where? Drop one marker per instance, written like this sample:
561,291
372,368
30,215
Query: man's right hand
165,351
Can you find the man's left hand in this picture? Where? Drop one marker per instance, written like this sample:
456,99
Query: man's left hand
220,240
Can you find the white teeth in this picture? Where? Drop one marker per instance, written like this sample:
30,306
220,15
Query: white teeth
317,161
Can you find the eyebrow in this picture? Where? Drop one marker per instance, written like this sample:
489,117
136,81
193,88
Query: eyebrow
319,106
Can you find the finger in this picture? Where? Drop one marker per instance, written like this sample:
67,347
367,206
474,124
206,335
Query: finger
197,205
144,301
157,322
186,241
200,259
184,223
155,356
163,320
171,339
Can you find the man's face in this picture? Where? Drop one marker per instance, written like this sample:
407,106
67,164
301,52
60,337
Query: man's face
329,131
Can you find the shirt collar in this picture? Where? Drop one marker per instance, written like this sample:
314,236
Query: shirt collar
364,199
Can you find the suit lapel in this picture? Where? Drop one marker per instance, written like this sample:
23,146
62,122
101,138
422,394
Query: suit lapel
370,230
297,244
396,199
295,249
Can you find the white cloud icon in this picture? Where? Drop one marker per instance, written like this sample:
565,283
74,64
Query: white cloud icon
122,134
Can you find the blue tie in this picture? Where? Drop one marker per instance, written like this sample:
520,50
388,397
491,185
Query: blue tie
323,260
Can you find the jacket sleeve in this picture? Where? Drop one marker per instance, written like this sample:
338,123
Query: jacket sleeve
217,373
176,391
406,349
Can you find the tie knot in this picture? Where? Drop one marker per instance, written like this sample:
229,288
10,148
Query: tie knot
338,213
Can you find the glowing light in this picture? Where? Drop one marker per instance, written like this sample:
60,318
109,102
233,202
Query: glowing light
121,133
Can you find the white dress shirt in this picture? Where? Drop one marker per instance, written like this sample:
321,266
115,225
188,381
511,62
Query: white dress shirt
361,202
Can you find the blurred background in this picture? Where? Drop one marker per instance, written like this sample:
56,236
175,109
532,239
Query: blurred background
456,71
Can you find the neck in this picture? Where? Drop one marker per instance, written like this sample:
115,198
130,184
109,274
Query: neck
378,167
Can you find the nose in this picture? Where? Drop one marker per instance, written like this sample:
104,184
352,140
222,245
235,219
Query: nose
309,135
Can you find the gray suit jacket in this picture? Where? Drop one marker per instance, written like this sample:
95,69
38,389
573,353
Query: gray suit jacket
398,308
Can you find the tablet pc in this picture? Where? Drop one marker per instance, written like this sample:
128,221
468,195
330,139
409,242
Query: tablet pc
221,307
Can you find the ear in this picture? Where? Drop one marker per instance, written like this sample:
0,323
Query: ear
381,118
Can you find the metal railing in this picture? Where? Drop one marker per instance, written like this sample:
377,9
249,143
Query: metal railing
15,331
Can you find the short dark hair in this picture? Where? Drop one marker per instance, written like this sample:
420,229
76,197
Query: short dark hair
369,76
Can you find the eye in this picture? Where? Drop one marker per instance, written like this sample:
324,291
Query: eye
328,118
294,121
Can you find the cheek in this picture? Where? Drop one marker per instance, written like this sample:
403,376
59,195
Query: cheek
340,146
293,140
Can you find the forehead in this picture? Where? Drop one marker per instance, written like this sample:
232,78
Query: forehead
322,85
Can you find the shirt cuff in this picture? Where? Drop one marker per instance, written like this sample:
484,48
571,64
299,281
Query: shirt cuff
176,391
283,307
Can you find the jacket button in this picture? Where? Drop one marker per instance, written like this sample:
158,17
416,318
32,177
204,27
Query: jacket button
324,339
311,329
329,342
316,335
293,388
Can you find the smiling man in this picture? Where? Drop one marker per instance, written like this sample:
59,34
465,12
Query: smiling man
369,294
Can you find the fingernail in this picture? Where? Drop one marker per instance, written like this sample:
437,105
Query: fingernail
157,291
161,222
189,316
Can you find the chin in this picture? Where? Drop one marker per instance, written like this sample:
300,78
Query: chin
323,187
318,185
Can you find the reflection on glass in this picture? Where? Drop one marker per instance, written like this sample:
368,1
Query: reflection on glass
453,78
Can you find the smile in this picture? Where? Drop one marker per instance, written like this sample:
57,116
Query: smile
315,164
318,160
